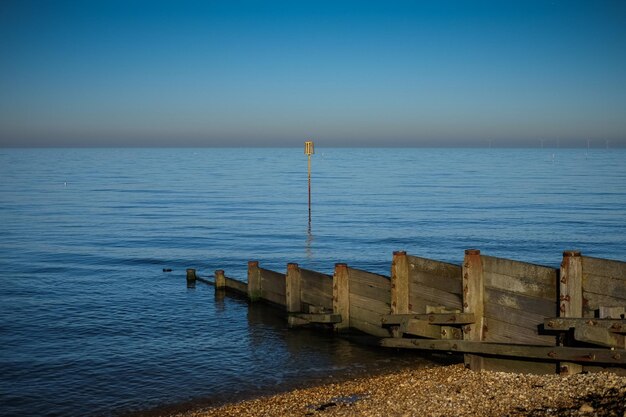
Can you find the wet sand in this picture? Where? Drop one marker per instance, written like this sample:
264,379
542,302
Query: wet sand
443,391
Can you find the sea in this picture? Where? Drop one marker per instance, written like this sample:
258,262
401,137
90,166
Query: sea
91,324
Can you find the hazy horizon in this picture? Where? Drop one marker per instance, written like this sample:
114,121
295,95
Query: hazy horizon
344,73
321,145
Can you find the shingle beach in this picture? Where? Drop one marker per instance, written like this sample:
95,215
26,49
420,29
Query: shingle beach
444,391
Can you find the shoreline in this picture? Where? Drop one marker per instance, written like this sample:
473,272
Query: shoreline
449,390
190,407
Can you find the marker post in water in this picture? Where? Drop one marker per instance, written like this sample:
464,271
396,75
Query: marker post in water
308,151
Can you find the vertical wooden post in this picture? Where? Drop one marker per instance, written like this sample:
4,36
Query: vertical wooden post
254,281
399,283
309,150
292,292
571,297
191,274
341,295
399,287
474,302
220,280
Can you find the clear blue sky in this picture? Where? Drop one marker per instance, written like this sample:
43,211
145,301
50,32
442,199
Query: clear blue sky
214,73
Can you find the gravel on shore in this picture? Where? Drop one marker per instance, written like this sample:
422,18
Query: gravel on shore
444,391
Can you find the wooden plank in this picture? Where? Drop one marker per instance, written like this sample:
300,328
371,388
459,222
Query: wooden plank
317,280
323,289
273,297
441,310
435,268
434,318
318,318
593,301
293,321
513,316
318,299
306,289
500,331
365,277
209,282
453,285
453,333
564,324
368,291
598,336
313,309
420,328
540,306
547,353
604,267
519,366
273,281
369,328
318,285
369,304
615,288
419,292
522,285
419,305
237,286
612,312
365,315
542,274
310,275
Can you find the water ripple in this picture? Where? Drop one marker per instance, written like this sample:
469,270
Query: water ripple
91,325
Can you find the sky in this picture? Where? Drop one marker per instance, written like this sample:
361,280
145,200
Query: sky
341,73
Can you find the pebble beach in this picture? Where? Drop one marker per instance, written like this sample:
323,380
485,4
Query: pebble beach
444,391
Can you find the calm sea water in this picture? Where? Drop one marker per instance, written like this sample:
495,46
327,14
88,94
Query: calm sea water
91,325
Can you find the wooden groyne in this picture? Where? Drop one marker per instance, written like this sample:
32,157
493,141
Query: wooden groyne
502,314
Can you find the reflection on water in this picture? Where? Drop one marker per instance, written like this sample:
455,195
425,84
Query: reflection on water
271,358
78,336
308,246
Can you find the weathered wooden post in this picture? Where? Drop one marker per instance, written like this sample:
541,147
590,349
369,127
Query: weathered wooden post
220,280
292,291
293,295
400,283
254,281
571,297
341,296
191,274
399,286
474,302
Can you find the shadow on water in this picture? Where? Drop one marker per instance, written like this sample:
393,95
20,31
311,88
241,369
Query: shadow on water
286,359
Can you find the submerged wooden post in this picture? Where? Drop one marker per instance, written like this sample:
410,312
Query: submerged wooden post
341,295
308,151
292,291
220,280
191,274
474,302
254,281
571,297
